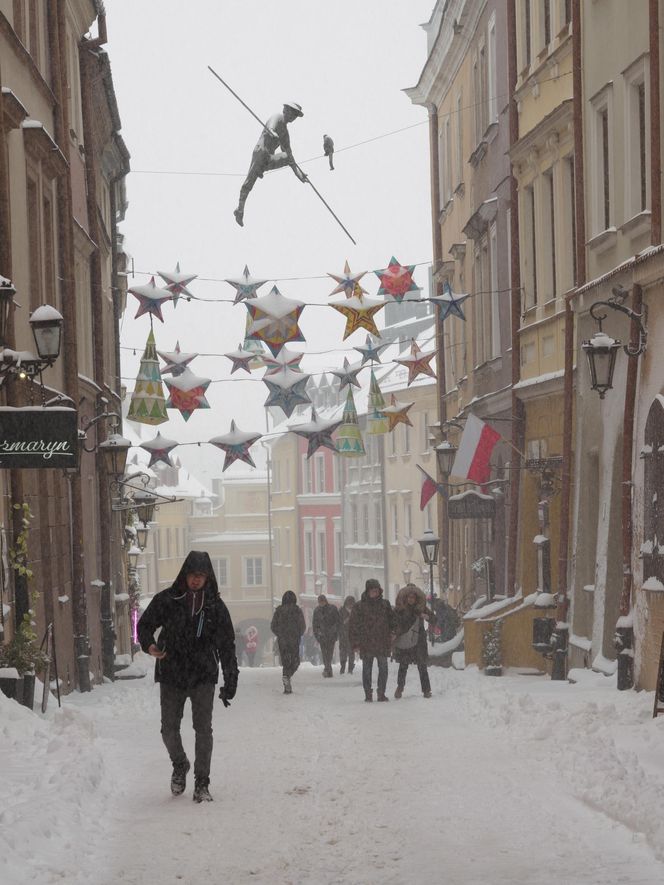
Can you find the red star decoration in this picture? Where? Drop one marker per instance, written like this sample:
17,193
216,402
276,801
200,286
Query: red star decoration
417,363
396,280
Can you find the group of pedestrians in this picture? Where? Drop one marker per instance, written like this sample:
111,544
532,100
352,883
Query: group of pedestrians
370,626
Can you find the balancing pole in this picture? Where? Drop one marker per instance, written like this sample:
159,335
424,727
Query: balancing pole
307,179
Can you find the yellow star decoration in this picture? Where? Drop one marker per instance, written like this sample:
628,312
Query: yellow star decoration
359,313
397,413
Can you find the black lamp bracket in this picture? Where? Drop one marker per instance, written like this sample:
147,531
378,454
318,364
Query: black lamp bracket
617,303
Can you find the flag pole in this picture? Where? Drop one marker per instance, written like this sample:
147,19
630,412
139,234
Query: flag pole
305,177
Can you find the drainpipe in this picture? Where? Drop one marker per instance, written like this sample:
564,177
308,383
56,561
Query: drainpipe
89,68
441,385
57,49
518,411
624,639
655,128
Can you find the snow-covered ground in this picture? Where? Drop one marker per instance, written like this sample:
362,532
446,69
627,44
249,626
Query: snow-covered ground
512,780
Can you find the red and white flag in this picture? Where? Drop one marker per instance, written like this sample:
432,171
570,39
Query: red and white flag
475,448
429,487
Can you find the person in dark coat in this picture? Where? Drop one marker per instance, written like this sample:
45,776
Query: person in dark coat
410,645
288,626
372,625
325,626
346,652
196,636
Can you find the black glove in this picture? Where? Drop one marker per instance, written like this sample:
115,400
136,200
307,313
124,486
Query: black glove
225,696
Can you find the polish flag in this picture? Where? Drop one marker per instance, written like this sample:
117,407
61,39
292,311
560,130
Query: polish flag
472,459
429,488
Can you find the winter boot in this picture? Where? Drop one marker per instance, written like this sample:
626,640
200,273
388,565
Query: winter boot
368,696
201,791
179,777
383,697
398,693
342,669
427,694
287,685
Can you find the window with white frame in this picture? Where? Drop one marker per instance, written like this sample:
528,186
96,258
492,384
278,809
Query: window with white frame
459,139
602,157
336,471
320,473
308,551
276,486
408,519
287,477
287,546
306,475
449,166
338,550
442,166
393,443
253,571
495,295
526,33
366,537
220,567
425,432
637,139
427,517
406,439
529,249
492,77
395,523
568,269
321,540
508,247
276,538
378,522
355,528
548,264
547,21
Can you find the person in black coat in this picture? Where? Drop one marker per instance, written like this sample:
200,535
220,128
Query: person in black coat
346,652
325,626
410,645
196,637
288,626
371,628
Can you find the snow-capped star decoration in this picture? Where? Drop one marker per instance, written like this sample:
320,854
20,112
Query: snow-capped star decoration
288,389
449,303
177,282
241,359
317,433
348,283
371,351
348,375
186,393
150,299
245,286
397,413
275,320
158,449
359,313
417,363
236,445
396,280
176,361
285,359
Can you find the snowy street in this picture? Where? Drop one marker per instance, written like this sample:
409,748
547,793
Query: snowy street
512,780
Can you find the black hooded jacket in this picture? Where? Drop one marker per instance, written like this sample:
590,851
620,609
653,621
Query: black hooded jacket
288,622
196,640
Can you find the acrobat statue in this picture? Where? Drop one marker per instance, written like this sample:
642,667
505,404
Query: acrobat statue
264,157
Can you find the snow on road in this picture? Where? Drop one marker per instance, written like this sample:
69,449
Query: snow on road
512,780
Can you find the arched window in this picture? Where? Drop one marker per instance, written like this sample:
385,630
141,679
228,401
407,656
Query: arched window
652,453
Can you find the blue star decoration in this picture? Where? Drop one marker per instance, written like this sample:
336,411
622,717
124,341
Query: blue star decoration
371,351
158,449
150,299
288,389
347,376
236,445
245,286
449,303
317,433
241,359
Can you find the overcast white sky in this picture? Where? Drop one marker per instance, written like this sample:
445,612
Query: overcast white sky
345,62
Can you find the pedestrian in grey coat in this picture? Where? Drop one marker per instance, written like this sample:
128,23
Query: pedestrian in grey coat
288,626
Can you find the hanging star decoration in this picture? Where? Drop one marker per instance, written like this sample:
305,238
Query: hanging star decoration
158,449
275,320
245,286
348,283
150,299
177,282
397,413
285,359
371,351
241,359
417,363
396,280
176,361
236,445
359,313
449,303
317,432
186,393
348,375
288,389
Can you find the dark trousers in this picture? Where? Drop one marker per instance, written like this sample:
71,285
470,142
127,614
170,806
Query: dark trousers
327,652
367,671
172,708
346,653
424,676
290,660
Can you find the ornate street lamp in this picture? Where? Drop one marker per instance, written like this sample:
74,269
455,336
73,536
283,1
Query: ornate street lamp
142,530
429,547
132,556
46,323
445,455
145,504
114,450
7,292
601,350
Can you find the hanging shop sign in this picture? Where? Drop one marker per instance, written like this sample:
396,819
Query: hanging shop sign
471,505
37,437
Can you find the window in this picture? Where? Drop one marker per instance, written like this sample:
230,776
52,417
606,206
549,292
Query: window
287,547
492,75
448,159
495,296
568,170
606,184
306,475
378,522
365,524
406,439
395,524
550,234
427,517
320,473
652,549
637,147
354,523
308,550
530,248
253,569
527,33
425,432
321,539
276,539
34,251
276,482
459,139
287,476
547,21
601,156
336,470
393,443
220,567
408,520
568,11
442,167
338,551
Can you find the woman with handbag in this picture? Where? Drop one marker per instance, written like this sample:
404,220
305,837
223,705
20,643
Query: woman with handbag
410,645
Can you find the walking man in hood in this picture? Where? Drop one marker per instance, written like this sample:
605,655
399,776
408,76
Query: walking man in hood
325,626
288,626
372,625
196,637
